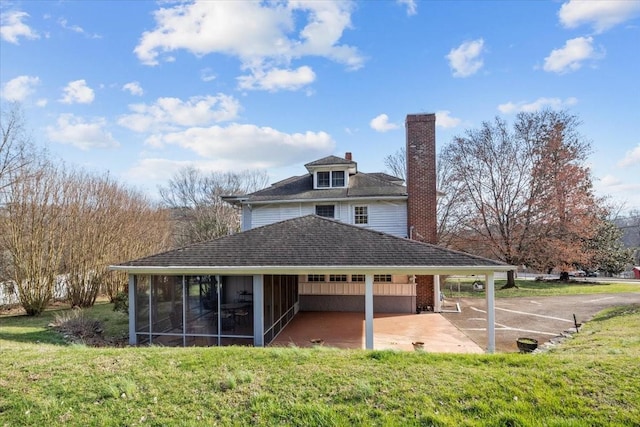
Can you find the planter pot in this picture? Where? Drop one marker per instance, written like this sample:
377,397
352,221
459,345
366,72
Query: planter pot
527,345
418,345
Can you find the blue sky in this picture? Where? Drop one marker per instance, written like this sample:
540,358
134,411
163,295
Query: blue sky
142,88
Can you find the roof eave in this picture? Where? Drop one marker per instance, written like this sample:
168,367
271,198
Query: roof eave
328,269
328,199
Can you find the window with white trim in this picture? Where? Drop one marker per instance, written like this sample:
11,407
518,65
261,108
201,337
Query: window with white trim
315,278
331,179
360,215
337,179
327,211
357,277
322,179
382,278
337,277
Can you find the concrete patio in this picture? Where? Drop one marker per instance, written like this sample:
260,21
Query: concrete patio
391,331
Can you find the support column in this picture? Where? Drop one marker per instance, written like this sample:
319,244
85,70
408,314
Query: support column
133,338
491,314
368,311
258,310
437,302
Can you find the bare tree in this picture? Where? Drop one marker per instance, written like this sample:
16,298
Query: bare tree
30,225
449,193
195,202
105,223
16,150
396,163
526,194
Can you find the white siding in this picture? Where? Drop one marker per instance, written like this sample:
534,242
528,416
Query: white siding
268,214
246,218
386,216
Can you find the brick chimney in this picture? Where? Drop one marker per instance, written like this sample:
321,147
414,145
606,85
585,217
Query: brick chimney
348,155
421,189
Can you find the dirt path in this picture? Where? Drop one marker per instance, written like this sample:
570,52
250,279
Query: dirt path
541,318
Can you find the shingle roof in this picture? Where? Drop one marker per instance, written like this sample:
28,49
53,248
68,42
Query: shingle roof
330,160
311,241
301,188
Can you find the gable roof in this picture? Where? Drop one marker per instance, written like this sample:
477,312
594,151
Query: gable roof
309,244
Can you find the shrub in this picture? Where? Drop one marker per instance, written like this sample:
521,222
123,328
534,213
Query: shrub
76,326
121,302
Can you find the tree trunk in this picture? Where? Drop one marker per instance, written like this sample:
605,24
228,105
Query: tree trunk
511,280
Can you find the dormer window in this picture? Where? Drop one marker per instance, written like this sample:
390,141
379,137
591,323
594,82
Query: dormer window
323,179
330,179
337,179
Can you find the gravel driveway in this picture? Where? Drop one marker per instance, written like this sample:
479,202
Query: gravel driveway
541,318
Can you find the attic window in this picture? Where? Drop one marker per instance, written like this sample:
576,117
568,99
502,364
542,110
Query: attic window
330,179
323,179
337,179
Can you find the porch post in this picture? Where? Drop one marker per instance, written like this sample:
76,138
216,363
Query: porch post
133,338
491,314
437,303
258,310
368,311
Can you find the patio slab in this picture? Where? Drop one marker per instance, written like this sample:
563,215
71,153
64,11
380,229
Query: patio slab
391,331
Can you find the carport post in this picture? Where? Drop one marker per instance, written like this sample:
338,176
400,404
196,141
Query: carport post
368,311
491,314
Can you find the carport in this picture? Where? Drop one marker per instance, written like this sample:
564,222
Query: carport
299,246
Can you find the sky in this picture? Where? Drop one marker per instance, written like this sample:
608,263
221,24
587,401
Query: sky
141,89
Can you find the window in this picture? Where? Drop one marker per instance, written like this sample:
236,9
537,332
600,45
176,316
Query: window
323,179
361,215
325,210
337,179
331,179
337,277
382,278
315,278
357,277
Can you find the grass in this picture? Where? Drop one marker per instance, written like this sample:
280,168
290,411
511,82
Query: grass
531,288
591,380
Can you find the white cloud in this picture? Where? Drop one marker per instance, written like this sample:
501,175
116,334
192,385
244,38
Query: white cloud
632,157
444,120
412,7
169,114
381,123
84,135
537,105
12,27
602,15
250,146
76,29
42,102
255,32
206,75
19,88
133,88
465,60
571,56
277,79
77,92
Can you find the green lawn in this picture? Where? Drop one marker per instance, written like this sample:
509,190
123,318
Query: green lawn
591,380
528,288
